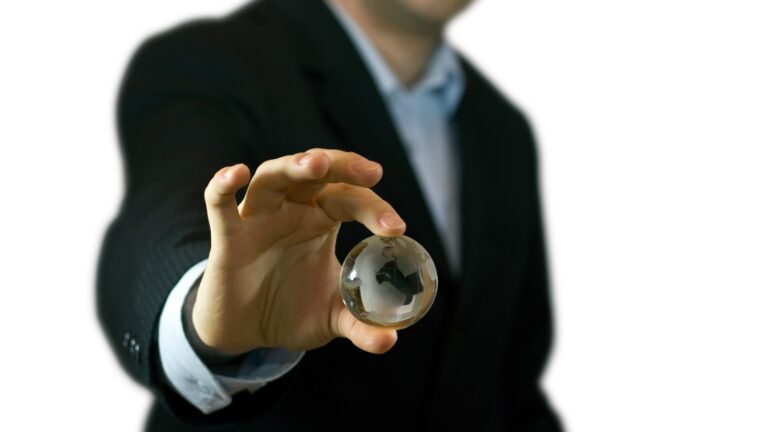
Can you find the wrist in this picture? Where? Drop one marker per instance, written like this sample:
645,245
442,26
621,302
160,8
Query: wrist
208,354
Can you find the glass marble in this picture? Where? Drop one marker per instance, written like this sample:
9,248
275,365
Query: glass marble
388,281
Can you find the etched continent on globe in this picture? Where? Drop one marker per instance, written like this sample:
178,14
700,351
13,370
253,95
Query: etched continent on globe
388,281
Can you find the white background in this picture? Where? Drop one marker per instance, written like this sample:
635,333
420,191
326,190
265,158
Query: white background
652,119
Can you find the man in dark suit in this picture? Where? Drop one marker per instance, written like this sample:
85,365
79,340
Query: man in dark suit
218,289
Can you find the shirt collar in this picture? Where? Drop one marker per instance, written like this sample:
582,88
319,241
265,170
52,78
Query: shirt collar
442,77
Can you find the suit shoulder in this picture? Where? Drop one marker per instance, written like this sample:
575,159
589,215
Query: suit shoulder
493,104
208,46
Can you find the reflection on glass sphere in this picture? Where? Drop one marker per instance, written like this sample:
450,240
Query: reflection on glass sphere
388,281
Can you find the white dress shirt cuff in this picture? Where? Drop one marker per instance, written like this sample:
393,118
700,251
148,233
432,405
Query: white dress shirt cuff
211,389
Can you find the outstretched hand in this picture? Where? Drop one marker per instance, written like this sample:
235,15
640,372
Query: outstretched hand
272,275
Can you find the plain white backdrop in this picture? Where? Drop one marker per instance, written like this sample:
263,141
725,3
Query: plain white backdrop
652,121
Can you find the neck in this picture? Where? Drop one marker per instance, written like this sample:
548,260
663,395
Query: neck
406,46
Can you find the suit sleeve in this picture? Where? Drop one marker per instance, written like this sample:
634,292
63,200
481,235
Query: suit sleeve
178,122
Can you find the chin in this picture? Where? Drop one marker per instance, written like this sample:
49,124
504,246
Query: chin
433,12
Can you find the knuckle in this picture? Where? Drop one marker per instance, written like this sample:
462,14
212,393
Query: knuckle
273,166
369,197
353,155
211,195
345,189
262,168
371,201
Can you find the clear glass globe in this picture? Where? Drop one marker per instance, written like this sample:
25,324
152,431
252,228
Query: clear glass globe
388,281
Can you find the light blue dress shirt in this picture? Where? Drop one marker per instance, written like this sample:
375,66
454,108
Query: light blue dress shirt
422,116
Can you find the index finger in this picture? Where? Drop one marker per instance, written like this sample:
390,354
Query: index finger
298,177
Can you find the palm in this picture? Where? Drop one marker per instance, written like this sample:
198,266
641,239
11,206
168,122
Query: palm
293,300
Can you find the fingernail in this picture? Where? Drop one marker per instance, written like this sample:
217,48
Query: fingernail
228,173
305,159
363,165
391,220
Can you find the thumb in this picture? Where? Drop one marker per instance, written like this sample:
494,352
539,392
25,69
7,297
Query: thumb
374,340
220,201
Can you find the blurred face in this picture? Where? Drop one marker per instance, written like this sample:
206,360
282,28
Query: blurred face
418,15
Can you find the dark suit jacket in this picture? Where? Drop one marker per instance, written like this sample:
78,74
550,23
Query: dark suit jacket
278,77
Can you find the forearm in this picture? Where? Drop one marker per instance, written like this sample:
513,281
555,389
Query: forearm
143,256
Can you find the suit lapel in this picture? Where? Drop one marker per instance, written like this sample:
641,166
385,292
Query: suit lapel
366,128
476,182
357,114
